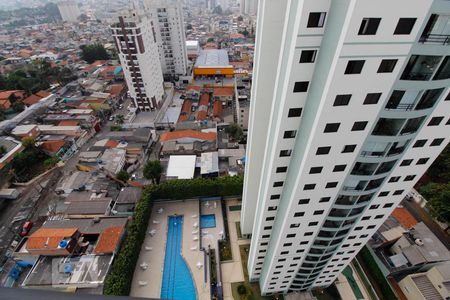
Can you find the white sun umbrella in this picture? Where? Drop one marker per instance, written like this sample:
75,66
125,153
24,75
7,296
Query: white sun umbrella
207,204
195,238
152,232
195,231
195,225
144,266
199,265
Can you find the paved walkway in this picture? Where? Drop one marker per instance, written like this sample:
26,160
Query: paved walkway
232,270
344,288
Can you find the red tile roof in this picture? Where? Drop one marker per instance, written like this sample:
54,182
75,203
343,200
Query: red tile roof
108,240
168,136
52,146
49,238
116,89
111,144
404,217
69,123
217,110
223,91
4,95
31,100
43,94
202,115
204,99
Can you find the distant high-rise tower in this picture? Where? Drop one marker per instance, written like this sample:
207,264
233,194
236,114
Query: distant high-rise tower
350,106
250,7
69,10
168,25
137,49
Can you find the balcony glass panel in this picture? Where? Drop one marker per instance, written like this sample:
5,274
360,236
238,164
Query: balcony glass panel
355,185
429,98
444,69
365,198
346,200
412,125
420,67
373,184
386,167
437,30
398,148
388,127
364,168
374,149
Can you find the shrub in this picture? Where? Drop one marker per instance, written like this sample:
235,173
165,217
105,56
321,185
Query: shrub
241,289
118,282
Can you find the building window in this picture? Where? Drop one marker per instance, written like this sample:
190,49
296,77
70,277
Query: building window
303,201
316,19
435,121
387,65
377,217
398,192
365,218
331,185
313,223
318,212
419,143
315,170
310,186
405,26
359,126
354,67
420,67
308,233
383,194
394,179
375,206
289,134
410,178
274,197
278,183
369,26
301,86
387,205
342,100
308,56
332,127
299,214
436,142
285,153
372,98
295,225
339,168
324,199
422,161
270,218
294,112
323,150
272,208
406,162
281,169
349,148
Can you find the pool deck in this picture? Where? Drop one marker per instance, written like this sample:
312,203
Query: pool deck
157,243
344,288
232,270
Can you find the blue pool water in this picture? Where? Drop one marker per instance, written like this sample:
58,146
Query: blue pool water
207,221
177,281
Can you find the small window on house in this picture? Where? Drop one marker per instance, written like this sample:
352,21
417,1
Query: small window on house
354,67
323,150
294,112
349,148
342,100
436,142
316,19
308,56
359,126
281,169
435,121
372,98
387,65
315,170
422,161
404,26
339,168
332,127
369,26
289,134
301,86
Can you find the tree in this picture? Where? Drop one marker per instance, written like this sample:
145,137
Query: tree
153,170
438,195
91,53
210,40
235,131
18,106
439,171
2,115
123,176
120,119
240,19
245,33
2,151
29,143
188,27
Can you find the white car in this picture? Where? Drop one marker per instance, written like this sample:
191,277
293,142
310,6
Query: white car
111,118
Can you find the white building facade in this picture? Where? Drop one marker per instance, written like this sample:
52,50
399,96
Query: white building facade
69,11
138,53
168,24
350,106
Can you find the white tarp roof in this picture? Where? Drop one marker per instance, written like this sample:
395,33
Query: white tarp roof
209,163
181,166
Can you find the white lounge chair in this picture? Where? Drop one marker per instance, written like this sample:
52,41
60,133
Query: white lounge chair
199,265
195,225
194,216
194,248
142,283
148,248
156,222
195,238
160,210
144,266
195,231
152,232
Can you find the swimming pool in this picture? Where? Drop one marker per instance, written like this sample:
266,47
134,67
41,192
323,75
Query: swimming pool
177,281
207,221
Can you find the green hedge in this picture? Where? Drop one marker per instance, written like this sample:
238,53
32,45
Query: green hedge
377,275
118,282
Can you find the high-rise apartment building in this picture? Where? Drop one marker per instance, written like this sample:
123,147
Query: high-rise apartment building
69,10
168,25
248,7
350,106
137,49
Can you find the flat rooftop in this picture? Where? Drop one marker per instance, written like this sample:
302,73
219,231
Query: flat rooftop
212,58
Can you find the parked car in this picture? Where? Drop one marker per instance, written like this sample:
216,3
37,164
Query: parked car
111,118
26,227
182,96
